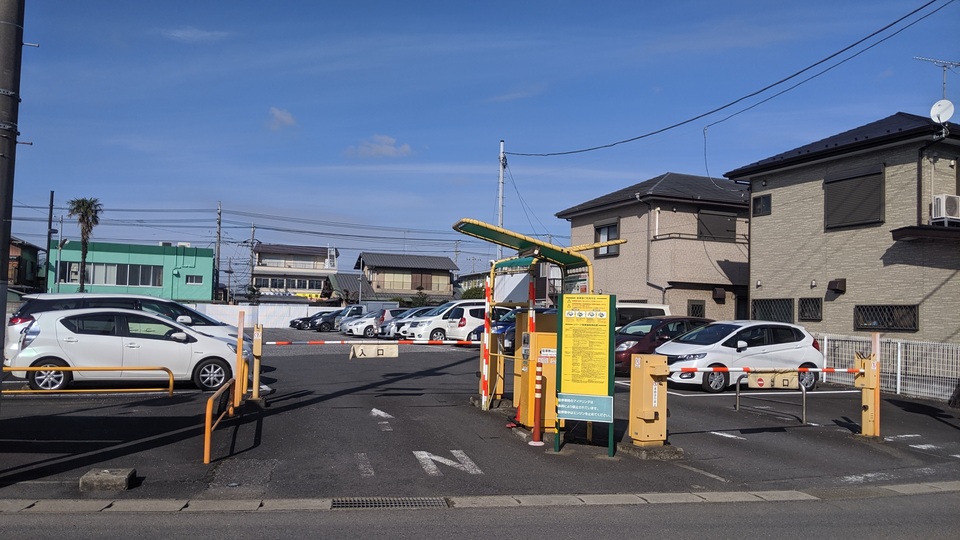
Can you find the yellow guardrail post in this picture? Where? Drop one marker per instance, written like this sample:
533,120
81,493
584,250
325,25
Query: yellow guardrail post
868,380
209,425
168,389
257,354
648,399
240,368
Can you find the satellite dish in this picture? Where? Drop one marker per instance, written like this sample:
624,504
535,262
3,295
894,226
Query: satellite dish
941,111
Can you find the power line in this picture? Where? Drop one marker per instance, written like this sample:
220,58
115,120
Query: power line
738,100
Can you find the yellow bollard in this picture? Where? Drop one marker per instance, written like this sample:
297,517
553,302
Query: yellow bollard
868,380
648,399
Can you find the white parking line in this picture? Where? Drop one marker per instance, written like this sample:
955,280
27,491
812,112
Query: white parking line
727,435
924,446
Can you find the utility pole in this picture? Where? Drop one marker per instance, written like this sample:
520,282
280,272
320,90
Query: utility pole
50,231
11,54
503,166
216,258
253,255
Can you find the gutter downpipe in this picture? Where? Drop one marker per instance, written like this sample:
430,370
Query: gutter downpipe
920,154
650,235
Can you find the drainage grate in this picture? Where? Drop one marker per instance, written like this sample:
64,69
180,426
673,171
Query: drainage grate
389,502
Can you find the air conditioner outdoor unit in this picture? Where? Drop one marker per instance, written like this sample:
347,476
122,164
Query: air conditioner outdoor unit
946,209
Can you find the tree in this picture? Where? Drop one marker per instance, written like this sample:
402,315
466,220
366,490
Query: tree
87,211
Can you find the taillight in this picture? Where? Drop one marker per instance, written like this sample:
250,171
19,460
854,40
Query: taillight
20,320
29,334
816,345
463,322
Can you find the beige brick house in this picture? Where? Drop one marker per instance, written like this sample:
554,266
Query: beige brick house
687,244
859,232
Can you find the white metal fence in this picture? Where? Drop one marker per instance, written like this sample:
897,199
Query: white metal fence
919,369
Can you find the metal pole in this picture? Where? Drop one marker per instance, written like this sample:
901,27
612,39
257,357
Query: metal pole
503,165
216,258
46,247
56,271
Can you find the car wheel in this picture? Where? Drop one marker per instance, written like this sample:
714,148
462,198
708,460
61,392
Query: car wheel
49,380
369,332
808,379
715,381
438,335
211,374
325,327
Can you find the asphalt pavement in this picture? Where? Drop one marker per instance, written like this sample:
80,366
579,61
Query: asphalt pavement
405,433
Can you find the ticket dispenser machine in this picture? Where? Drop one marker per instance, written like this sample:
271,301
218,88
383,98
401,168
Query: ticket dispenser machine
531,347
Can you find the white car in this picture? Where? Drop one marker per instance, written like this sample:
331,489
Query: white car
359,325
739,344
451,321
37,303
118,338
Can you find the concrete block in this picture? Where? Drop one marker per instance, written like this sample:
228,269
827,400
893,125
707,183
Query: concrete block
107,480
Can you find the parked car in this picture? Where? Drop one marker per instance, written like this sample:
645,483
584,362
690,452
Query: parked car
505,327
628,312
368,324
42,302
303,323
453,320
391,329
738,344
326,321
349,312
645,335
120,337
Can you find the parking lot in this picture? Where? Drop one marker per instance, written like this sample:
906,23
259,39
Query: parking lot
405,427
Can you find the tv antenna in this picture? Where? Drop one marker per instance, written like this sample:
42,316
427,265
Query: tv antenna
945,65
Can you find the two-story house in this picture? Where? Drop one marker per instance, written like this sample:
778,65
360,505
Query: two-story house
391,275
687,244
860,232
300,271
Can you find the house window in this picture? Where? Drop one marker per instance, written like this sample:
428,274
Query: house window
261,282
761,205
194,279
890,318
604,231
716,226
696,308
853,198
315,284
810,309
773,309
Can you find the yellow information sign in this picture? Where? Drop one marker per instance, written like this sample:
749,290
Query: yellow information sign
586,352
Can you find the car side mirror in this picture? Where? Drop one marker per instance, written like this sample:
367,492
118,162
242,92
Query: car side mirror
663,337
184,319
741,346
179,336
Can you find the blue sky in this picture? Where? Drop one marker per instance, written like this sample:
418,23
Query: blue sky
375,126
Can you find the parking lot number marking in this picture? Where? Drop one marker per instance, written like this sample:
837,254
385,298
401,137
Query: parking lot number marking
429,462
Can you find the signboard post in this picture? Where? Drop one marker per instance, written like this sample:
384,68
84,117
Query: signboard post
585,361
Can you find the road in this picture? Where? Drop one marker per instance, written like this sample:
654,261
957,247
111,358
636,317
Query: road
340,428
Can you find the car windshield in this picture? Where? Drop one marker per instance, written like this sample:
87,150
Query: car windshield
510,316
437,310
638,328
707,335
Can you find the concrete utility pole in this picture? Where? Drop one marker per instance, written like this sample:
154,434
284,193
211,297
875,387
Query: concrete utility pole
11,52
503,166
216,258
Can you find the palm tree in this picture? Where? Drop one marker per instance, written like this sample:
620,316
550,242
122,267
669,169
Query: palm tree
87,212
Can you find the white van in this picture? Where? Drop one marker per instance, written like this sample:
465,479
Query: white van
628,312
41,302
453,320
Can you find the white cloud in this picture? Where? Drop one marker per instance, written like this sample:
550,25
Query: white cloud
280,118
189,34
379,146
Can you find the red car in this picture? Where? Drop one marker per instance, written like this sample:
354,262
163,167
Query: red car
644,335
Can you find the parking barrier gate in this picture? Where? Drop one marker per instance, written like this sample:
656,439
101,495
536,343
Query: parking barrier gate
648,376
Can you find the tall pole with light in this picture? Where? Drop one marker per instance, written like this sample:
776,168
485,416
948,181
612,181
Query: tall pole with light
60,243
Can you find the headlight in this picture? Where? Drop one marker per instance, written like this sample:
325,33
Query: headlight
688,357
625,345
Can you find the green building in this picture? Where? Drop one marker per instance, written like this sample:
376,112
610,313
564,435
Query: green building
177,272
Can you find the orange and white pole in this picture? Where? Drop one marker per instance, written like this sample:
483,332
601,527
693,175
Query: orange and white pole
485,351
538,408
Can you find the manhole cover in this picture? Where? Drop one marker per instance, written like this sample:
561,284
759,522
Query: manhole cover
389,502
